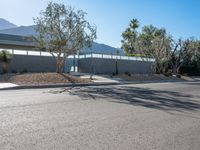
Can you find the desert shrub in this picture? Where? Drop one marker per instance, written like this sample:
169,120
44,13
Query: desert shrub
127,73
178,76
23,71
14,71
113,74
5,58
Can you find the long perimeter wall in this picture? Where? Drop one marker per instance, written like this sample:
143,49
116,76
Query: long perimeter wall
39,62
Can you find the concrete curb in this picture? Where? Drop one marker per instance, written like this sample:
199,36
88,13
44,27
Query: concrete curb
54,86
82,84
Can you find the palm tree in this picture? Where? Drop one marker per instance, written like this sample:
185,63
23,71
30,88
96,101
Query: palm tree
5,58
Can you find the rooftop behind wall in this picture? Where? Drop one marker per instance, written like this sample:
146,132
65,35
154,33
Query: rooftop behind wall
15,42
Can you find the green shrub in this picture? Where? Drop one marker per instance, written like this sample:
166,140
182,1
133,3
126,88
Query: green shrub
127,73
178,76
14,71
23,71
5,58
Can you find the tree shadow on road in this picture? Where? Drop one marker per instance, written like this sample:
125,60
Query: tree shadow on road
156,99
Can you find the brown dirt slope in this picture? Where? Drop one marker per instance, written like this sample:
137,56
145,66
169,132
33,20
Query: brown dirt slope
42,78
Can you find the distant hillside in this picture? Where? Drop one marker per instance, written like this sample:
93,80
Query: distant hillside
22,31
4,24
30,30
102,48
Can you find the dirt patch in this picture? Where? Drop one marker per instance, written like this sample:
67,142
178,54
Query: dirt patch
146,77
42,78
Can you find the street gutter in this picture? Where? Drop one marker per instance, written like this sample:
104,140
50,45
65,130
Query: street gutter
19,87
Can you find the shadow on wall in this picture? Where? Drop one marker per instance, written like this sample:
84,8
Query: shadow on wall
155,99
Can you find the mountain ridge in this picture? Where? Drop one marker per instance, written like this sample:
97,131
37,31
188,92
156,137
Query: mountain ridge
5,24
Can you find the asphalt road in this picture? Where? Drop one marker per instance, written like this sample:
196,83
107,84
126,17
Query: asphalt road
159,116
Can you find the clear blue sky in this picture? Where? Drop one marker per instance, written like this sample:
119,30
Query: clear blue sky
181,18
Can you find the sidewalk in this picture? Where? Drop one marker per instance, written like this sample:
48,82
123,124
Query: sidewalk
7,85
102,79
